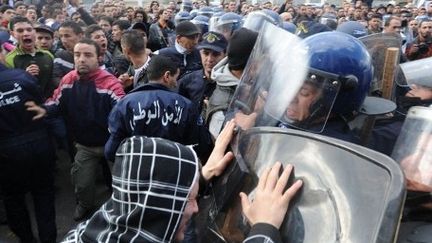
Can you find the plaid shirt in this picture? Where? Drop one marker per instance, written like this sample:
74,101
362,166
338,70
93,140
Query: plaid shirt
152,179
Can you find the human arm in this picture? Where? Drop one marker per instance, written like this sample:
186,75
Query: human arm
267,211
218,159
39,111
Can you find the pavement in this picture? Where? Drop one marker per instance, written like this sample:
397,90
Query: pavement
65,202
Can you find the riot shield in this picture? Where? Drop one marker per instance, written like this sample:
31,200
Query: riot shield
378,47
279,89
256,20
413,149
416,72
350,193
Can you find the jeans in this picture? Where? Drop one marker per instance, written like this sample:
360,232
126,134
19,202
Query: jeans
27,165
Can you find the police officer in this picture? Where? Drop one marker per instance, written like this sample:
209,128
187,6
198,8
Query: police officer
198,86
153,109
184,51
27,157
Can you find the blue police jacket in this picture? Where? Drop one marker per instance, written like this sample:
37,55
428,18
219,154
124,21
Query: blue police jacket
16,88
196,87
187,62
155,111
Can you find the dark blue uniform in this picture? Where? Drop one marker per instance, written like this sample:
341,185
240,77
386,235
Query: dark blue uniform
27,157
196,87
155,111
186,62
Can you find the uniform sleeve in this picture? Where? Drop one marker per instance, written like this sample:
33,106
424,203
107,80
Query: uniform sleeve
263,233
117,129
117,91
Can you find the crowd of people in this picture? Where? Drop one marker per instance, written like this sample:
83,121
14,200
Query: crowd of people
94,81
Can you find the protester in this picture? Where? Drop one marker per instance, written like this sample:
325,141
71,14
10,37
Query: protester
84,98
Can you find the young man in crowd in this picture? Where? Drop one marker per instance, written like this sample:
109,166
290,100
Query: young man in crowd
84,99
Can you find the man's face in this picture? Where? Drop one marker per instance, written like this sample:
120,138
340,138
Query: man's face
8,14
25,35
425,29
413,25
299,108
210,58
302,10
21,10
95,11
31,15
69,38
188,42
171,80
105,25
44,40
232,6
166,14
394,26
374,23
139,17
190,209
130,13
116,33
85,58
108,11
100,38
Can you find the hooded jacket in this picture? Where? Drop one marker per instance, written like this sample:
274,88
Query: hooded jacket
152,181
226,84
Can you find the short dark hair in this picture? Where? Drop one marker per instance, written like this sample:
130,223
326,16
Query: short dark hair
122,24
4,8
92,43
375,16
107,19
18,19
423,21
387,21
91,29
159,65
76,28
134,40
19,3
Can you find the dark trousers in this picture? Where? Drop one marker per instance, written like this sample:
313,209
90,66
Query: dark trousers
29,167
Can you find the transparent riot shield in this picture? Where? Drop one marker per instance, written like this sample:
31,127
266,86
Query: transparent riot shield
279,89
350,193
413,149
256,20
378,47
416,73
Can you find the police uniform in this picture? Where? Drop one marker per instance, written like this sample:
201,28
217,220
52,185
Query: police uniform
155,111
27,157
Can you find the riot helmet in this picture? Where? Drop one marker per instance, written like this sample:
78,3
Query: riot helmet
193,13
290,27
353,28
181,16
227,24
255,20
202,22
187,6
206,11
342,59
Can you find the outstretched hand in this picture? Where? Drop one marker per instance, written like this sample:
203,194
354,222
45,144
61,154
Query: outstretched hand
271,200
218,159
40,112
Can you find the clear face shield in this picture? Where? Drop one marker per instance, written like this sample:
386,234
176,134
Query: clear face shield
413,149
226,28
280,90
213,22
256,20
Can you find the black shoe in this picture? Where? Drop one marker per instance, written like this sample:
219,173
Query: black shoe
81,213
